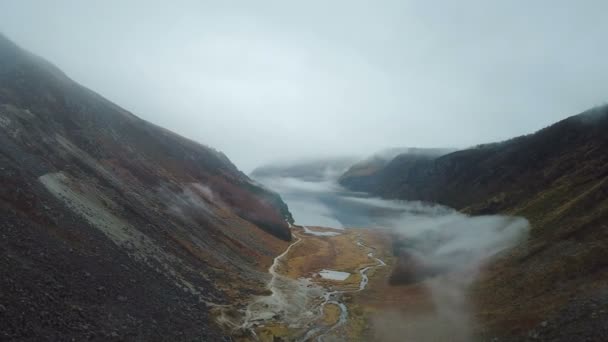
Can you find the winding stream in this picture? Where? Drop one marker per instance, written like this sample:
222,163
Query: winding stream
333,297
295,302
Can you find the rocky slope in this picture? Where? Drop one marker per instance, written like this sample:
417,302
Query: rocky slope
552,287
113,228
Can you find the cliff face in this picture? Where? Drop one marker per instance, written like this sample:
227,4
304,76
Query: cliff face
558,179
112,227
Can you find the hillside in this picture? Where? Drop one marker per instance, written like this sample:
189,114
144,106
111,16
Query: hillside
552,286
114,228
483,176
366,174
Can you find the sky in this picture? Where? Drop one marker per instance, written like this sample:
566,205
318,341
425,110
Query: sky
270,80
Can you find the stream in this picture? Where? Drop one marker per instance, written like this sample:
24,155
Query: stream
333,297
295,302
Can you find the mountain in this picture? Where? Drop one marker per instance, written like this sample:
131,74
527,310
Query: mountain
553,286
366,174
496,177
114,228
312,170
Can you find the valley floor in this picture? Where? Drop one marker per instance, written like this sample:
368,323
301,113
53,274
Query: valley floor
359,304
326,287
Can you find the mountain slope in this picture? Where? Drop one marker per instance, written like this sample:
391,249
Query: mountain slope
493,177
552,286
366,175
114,228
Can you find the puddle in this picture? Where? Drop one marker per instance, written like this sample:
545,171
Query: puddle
334,275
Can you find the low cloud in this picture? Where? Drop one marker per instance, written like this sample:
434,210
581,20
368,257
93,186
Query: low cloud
444,251
189,200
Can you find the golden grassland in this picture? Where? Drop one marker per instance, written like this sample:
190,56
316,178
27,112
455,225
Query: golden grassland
315,253
331,314
339,253
380,297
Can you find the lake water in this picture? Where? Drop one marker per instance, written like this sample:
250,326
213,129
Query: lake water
325,203
334,275
436,234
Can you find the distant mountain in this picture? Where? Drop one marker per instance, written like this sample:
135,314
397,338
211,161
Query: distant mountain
366,174
307,169
495,177
114,228
551,286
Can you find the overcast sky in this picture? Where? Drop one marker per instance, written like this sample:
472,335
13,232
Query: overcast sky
265,80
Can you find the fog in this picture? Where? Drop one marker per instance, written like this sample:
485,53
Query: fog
438,247
270,80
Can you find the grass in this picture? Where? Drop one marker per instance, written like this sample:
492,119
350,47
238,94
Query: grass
339,253
331,314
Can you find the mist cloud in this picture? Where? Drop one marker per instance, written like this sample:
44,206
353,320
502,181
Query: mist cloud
444,251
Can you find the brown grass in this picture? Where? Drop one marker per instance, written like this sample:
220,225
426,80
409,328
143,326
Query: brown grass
331,314
340,253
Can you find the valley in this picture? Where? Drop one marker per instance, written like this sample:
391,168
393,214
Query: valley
116,229
386,270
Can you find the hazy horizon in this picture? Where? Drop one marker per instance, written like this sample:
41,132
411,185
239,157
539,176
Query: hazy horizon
276,80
